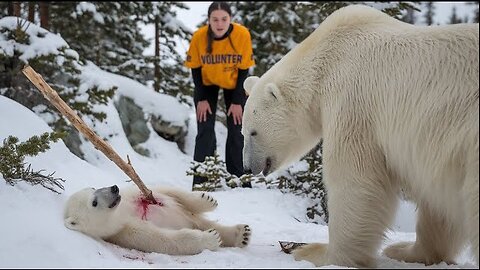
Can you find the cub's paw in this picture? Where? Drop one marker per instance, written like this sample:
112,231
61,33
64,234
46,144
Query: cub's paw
212,239
209,199
242,235
315,253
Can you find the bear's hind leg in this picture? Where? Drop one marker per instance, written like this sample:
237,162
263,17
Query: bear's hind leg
232,236
147,237
437,240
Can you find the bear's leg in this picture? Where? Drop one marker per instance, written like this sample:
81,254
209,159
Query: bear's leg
232,236
438,240
471,202
149,238
361,202
195,202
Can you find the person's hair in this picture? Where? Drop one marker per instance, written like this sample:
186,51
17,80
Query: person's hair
215,6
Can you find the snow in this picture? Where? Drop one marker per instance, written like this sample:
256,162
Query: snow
88,7
31,228
160,105
41,41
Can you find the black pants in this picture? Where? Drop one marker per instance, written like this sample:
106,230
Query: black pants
206,141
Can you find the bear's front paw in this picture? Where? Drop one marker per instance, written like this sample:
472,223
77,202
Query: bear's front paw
400,251
242,235
212,239
209,199
315,253
409,252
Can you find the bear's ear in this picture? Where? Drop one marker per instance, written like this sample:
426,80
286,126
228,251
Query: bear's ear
273,91
249,83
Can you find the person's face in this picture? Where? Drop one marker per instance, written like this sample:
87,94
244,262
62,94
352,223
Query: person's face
219,22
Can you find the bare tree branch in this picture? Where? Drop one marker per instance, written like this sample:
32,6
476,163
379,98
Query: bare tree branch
53,97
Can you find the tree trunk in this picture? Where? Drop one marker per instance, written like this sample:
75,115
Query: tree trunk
44,15
10,8
31,11
429,14
16,9
156,79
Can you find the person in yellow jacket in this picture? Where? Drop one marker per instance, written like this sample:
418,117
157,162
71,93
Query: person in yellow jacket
220,55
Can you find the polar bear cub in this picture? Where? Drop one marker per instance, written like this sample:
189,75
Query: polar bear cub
175,225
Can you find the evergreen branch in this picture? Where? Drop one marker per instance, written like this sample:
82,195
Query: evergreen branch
36,178
12,165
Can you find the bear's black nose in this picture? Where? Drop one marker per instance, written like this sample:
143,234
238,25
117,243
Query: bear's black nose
114,189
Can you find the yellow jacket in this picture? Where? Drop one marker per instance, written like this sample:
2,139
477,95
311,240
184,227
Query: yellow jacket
221,66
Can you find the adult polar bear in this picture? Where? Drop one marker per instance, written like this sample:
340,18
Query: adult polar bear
397,108
175,225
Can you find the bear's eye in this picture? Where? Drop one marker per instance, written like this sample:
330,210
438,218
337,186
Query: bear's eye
73,223
253,133
94,203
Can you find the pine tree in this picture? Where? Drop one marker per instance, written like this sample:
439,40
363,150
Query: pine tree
277,27
475,12
44,15
430,13
170,76
283,27
61,69
398,10
106,33
409,16
308,182
454,19
214,169
31,12
5,8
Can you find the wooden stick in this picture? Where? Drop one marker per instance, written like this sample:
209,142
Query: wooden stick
52,96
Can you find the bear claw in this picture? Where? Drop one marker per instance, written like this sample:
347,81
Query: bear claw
244,233
215,239
210,199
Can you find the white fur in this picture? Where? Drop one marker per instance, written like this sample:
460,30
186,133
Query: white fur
397,108
176,227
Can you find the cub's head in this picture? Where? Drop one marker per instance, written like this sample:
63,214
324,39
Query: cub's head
276,125
92,211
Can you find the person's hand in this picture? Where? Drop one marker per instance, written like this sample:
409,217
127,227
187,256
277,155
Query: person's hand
236,111
202,108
